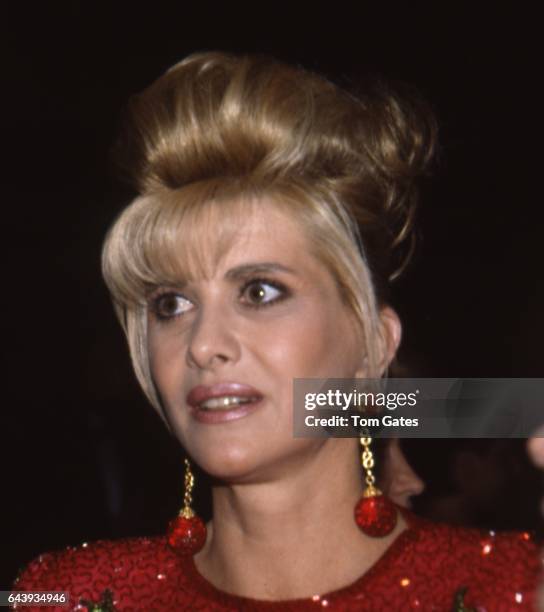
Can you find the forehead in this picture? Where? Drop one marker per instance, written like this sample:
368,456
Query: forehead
265,233
221,235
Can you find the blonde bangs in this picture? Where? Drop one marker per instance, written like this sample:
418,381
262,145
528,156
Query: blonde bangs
170,238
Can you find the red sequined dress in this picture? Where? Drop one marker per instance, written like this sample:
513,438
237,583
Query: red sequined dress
428,567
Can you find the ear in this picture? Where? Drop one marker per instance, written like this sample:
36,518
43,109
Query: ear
391,333
389,339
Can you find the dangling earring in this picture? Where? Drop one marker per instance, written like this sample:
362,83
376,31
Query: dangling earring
187,532
375,514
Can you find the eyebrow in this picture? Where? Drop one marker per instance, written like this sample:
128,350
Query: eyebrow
256,268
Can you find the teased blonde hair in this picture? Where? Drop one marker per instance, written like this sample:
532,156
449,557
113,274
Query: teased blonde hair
218,133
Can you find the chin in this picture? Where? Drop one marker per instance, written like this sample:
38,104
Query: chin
228,462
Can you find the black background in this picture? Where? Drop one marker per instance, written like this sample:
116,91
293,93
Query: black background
74,423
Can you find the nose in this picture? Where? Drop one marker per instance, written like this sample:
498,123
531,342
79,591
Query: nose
406,484
213,340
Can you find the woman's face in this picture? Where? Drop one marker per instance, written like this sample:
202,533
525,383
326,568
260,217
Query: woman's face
266,313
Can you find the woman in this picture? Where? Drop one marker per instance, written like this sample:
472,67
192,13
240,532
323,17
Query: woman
259,251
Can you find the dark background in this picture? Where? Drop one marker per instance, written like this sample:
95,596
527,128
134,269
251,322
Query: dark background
84,457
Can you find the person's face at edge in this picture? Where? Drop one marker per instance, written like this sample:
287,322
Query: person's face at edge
399,480
256,326
535,446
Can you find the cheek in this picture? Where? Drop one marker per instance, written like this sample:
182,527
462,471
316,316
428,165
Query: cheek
319,343
333,343
165,359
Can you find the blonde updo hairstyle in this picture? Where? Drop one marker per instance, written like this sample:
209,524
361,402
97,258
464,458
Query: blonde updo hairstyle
219,135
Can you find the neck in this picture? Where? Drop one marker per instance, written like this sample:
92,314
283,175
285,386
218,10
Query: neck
294,536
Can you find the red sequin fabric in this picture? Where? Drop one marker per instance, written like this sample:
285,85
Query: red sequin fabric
429,567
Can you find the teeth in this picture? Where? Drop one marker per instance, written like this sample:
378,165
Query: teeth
223,403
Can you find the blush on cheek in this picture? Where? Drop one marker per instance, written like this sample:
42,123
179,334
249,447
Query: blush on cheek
324,344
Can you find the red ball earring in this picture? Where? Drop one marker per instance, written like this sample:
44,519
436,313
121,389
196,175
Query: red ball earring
375,514
187,532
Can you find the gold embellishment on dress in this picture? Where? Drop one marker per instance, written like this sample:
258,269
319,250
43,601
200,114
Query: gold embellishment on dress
104,605
459,601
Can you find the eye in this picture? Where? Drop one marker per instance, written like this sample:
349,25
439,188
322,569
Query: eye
260,292
170,305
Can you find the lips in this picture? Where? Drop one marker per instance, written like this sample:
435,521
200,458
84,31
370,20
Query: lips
223,402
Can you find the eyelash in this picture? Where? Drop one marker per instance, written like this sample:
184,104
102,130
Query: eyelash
155,301
284,293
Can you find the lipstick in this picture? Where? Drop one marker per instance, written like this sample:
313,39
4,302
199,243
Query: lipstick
223,402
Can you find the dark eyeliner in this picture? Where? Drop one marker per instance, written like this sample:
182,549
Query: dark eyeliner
285,292
154,301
